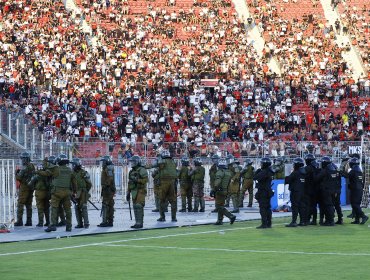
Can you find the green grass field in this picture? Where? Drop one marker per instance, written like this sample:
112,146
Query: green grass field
204,252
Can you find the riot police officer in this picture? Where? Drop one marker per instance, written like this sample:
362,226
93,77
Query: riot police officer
263,178
219,191
156,183
296,181
356,186
311,189
185,185
138,178
108,191
234,188
329,180
81,195
25,195
197,178
279,168
167,179
247,184
62,185
230,162
212,175
42,194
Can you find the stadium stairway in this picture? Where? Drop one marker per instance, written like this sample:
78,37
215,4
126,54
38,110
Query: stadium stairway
352,57
254,35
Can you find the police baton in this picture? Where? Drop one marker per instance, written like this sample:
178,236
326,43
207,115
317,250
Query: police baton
129,207
93,204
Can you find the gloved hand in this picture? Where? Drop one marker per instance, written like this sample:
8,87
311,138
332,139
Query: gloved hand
212,194
128,197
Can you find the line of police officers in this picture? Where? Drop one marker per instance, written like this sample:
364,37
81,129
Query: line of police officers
309,186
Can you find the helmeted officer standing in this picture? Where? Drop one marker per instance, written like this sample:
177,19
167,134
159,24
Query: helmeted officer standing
108,191
186,190
279,167
197,178
219,191
247,183
81,195
62,185
263,178
356,186
234,188
212,175
167,179
296,181
138,179
25,195
311,189
329,180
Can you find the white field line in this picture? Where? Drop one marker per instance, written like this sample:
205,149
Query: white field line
238,250
125,240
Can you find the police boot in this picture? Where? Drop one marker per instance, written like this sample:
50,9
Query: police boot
339,222
136,216
29,217
364,219
69,228
292,224
19,222
47,218
41,219
190,205
85,216
241,200
183,204
78,217
356,221
51,228
173,212
162,217
104,223
220,217
196,204
202,204
235,201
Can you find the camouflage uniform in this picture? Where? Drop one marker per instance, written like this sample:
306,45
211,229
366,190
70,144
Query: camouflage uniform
234,187
247,185
197,179
42,194
156,185
62,184
108,192
83,186
138,179
167,178
185,189
220,189
212,178
25,194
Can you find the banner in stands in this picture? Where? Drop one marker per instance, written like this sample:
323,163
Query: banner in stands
354,150
208,82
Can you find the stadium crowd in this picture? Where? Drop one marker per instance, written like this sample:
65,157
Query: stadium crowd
145,84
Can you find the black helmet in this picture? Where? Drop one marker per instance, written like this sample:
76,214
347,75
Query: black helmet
62,159
107,160
265,162
135,161
237,161
52,160
345,157
325,161
215,158
353,162
230,159
165,154
309,158
298,163
248,162
25,157
310,147
76,163
222,163
279,161
197,161
185,161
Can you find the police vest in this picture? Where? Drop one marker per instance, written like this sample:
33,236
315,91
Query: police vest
63,180
168,170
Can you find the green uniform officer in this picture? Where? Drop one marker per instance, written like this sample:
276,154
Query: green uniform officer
279,168
62,185
25,195
167,178
185,185
234,188
138,179
212,175
223,178
156,184
41,184
247,184
230,161
108,191
81,195
197,179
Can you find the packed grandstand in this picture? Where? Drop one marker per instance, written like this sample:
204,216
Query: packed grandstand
186,72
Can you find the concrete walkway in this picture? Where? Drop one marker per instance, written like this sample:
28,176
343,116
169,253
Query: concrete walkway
254,35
